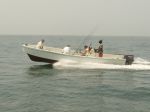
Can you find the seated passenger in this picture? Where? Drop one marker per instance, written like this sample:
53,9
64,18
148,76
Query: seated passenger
67,49
86,51
40,44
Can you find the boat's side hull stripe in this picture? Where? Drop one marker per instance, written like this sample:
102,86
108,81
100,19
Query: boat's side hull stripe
39,59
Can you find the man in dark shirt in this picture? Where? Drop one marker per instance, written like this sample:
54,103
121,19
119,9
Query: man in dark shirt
100,49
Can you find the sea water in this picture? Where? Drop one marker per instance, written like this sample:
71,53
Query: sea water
69,86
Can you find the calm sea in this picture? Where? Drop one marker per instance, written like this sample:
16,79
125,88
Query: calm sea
27,86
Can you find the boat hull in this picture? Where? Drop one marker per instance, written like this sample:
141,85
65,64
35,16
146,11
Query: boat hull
39,59
49,55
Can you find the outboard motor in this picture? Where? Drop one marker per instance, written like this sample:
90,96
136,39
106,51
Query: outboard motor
129,59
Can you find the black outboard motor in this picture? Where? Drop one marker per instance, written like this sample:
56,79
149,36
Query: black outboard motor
129,59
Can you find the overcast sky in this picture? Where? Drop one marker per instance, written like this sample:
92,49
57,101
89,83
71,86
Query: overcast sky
75,17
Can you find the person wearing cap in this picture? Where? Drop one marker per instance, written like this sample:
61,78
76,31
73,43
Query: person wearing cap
100,48
40,44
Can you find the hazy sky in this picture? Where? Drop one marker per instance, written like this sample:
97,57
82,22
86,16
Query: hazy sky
75,17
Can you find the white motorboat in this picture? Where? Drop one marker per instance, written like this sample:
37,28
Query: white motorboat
52,55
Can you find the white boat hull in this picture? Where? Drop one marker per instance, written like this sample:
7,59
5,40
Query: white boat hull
53,55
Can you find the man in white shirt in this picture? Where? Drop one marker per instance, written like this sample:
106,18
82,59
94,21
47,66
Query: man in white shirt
40,44
66,49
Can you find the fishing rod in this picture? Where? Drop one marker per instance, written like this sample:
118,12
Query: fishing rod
87,38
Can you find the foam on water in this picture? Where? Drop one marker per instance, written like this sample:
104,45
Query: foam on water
139,64
139,60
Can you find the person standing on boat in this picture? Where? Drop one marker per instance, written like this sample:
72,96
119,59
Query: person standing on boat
100,48
40,44
66,49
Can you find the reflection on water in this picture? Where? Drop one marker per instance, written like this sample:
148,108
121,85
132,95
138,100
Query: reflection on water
46,66
38,70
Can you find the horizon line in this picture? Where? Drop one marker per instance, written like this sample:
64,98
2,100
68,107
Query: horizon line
73,35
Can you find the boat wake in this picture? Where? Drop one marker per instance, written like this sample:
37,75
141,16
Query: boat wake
139,60
139,64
